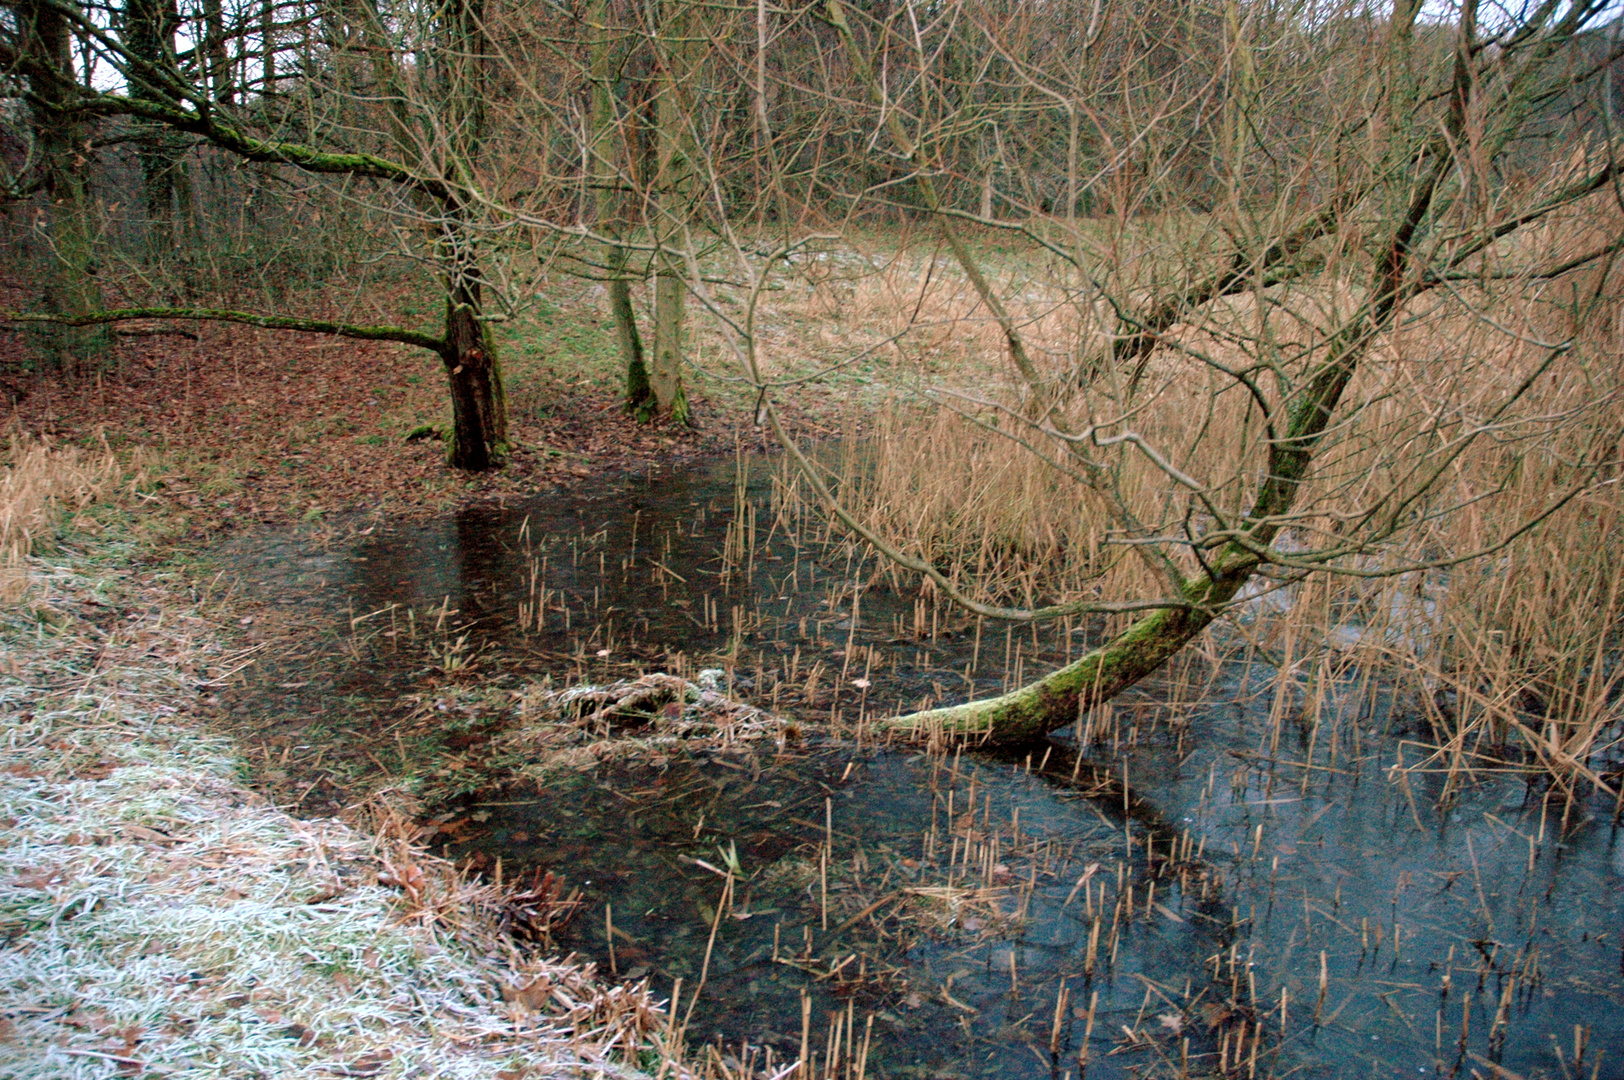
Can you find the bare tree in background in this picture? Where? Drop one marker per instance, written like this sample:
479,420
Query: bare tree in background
643,72
414,129
608,152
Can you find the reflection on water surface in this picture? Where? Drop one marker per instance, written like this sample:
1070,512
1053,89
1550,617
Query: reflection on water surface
996,916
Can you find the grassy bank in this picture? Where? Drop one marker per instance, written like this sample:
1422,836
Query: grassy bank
161,918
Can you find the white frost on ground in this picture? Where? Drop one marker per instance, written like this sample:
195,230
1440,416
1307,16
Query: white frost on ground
157,918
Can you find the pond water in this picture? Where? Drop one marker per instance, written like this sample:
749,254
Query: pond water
1196,894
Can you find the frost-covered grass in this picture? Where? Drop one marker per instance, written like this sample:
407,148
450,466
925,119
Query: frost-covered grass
157,917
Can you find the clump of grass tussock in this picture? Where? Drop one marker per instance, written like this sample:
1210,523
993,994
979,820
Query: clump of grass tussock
39,485
157,915
652,717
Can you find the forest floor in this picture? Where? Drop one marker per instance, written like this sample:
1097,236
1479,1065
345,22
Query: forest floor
247,425
239,426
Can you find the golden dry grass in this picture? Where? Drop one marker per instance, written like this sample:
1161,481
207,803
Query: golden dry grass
41,485
1509,659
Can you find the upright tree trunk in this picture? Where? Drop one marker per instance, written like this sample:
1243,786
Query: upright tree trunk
69,286
640,401
673,183
267,43
214,50
478,398
149,28
609,209
665,378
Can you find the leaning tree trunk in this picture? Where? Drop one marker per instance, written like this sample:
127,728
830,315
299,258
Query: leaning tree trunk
1028,714
1052,702
1058,699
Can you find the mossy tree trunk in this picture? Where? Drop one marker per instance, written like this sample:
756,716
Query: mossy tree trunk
673,192
1417,183
69,286
639,393
609,202
1031,712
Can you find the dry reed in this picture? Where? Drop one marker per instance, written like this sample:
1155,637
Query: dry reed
1506,660
40,485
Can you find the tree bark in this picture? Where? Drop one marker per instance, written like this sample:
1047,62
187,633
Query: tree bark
69,286
1031,712
640,401
673,184
479,439
150,27
609,209
478,400
665,378
214,50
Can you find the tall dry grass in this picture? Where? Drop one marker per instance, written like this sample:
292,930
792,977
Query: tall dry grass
41,485
1510,659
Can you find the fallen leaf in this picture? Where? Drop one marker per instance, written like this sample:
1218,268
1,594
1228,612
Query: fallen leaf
532,995
38,879
365,1065
141,832
300,1034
